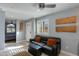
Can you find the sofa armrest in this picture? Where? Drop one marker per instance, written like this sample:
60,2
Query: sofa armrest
32,40
57,49
54,46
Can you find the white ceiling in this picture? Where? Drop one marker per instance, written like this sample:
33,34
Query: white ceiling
28,10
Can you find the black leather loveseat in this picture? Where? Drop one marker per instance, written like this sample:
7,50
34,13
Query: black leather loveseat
49,50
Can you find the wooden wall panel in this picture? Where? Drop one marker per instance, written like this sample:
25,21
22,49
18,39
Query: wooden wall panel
67,20
66,29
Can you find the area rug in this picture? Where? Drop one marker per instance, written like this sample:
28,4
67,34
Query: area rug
23,53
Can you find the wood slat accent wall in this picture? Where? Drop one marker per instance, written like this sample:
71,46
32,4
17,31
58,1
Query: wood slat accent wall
67,20
66,29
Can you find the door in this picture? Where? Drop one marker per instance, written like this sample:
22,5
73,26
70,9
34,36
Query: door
28,31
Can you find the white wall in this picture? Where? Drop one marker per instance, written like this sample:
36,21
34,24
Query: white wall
69,41
2,29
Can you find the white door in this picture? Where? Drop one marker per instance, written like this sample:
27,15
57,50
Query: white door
28,31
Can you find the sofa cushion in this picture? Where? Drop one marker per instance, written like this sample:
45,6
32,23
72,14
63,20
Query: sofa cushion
37,38
47,47
51,42
44,38
40,44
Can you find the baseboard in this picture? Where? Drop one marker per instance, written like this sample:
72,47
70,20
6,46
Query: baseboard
21,41
68,53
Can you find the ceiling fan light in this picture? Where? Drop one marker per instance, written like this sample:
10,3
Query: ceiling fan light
41,5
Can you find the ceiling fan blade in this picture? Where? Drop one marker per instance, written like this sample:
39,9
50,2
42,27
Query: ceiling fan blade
50,6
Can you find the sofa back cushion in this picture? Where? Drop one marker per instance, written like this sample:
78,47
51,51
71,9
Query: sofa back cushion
44,39
37,38
51,42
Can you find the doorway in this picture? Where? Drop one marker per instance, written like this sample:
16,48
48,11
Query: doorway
28,31
10,31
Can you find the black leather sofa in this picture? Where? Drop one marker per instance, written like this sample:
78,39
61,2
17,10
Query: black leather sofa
49,50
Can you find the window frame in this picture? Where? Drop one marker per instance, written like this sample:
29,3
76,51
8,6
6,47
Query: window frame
43,21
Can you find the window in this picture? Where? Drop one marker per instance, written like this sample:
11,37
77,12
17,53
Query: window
39,27
10,28
42,26
45,26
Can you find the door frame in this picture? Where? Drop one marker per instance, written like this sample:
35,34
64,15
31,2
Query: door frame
30,30
6,28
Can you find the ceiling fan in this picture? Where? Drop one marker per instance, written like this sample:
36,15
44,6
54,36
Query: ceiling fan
45,5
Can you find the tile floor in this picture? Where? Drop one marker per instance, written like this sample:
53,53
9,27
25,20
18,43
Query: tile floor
19,49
